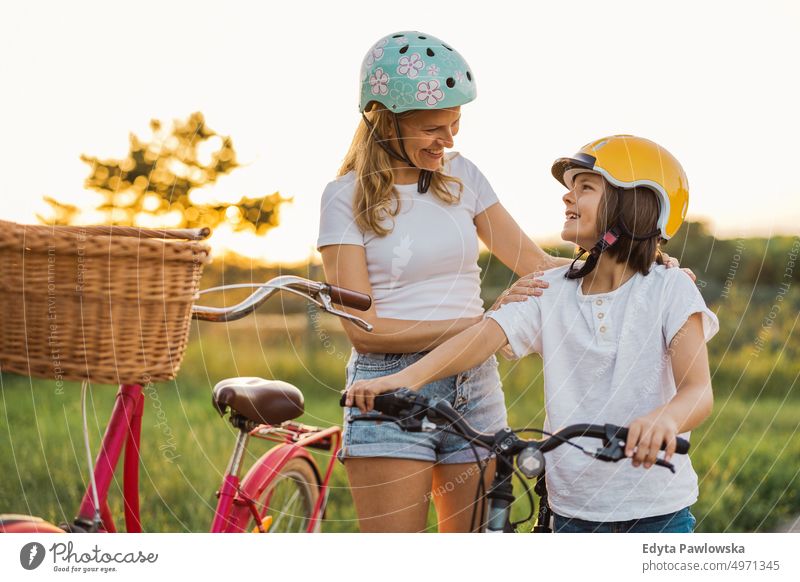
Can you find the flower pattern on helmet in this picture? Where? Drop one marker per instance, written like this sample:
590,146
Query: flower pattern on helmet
433,70
401,40
376,53
459,76
429,92
410,66
380,82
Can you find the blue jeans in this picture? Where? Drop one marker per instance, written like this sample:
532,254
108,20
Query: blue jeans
681,521
476,394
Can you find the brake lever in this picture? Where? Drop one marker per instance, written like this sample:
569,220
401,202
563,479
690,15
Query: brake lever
667,464
327,305
614,450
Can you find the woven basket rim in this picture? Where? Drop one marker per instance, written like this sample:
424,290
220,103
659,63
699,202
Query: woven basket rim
43,238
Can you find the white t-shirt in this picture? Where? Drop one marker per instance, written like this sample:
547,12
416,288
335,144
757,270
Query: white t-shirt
606,361
426,268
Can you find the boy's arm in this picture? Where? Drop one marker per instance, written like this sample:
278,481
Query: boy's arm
462,352
466,350
694,401
688,408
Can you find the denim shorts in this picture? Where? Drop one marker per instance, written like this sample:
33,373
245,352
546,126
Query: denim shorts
681,521
476,394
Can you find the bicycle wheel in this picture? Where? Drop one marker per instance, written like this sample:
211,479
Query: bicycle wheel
289,498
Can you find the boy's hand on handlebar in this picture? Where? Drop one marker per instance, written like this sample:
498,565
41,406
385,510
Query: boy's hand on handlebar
362,393
522,289
646,435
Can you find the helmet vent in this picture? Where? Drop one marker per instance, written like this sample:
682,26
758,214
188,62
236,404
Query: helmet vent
451,82
422,37
430,53
469,76
403,50
397,36
447,47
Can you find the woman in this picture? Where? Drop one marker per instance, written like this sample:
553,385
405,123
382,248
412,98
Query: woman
402,223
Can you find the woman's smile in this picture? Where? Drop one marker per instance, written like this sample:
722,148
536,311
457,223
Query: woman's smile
433,154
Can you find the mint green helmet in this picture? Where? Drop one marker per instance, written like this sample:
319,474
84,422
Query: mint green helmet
413,70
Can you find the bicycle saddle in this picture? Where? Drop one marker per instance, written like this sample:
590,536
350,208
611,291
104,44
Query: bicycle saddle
259,400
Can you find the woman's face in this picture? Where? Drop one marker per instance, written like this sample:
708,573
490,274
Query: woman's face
582,204
427,133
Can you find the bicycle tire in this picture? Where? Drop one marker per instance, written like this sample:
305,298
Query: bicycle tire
15,523
287,496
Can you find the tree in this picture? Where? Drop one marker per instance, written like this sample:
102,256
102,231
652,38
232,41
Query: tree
158,176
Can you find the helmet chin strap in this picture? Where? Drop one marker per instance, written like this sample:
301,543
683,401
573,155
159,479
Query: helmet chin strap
609,239
425,176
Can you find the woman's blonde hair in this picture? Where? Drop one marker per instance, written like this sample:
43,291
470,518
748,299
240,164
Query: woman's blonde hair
376,198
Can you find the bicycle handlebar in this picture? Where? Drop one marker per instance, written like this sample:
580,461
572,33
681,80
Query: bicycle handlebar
411,407
322,295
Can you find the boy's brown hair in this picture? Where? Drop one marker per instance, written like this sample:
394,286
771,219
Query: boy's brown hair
638,209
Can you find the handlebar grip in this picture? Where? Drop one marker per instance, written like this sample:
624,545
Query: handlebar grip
395,403
349,298
682,445
382,404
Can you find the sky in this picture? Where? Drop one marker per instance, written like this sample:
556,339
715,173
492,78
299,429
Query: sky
715,83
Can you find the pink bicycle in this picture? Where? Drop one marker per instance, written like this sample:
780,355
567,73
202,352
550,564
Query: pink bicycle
284,491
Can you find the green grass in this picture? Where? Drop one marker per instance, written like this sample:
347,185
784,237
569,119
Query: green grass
746,455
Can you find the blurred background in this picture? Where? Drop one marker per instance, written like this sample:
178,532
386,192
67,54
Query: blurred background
236,116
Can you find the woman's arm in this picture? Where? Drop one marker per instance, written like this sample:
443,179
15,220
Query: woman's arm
346,266
462,352
504,238
688,408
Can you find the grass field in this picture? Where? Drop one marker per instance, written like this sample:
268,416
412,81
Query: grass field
747,455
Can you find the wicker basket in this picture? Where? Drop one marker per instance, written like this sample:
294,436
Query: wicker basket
108,304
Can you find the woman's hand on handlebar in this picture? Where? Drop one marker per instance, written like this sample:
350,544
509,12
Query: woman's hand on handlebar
646,434
362,393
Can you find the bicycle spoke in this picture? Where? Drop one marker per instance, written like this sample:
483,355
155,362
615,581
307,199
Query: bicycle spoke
288,501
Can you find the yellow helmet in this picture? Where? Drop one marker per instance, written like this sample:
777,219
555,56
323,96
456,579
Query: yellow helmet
627,161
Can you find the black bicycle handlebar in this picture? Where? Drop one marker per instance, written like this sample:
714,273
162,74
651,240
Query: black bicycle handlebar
410,408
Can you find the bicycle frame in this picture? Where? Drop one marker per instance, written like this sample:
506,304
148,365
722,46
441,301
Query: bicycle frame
124,430
236,498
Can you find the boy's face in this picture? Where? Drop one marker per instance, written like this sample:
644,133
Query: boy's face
582,203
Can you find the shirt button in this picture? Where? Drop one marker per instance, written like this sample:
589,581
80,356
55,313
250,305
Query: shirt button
599,302
600,316
602,329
